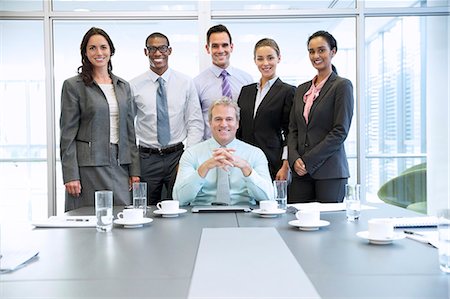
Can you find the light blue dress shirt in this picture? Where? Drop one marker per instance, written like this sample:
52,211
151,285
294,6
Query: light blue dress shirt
191,188
209,88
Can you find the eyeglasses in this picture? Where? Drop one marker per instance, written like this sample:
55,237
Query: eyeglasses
162,49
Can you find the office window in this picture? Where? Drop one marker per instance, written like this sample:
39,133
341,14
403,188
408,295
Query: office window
400,66
22,5
129,60
259,5
295,66
406,3
23,145
133,5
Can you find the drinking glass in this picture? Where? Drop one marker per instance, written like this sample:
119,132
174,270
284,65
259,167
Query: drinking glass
103,210
140,197
352,201
280,190
444,239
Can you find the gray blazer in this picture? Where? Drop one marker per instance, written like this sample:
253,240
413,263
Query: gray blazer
320,143
85,129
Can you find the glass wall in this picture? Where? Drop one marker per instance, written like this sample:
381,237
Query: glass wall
129,60
23,144
393,75
396,104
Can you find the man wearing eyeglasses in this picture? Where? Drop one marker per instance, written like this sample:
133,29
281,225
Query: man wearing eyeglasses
210,82
168,114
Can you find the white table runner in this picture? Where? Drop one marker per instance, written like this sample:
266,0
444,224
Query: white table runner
247,263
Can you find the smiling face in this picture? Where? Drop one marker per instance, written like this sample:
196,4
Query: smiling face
98,51
159,61
220,49
223,123
320,54
267,59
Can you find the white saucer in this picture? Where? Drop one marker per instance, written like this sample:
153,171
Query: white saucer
169,214
133,224
308,226
396,236
268,214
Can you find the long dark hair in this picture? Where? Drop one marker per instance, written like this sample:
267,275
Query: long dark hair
332,43
85,70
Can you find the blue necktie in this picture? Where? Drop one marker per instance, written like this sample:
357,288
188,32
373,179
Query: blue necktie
226,87
162,114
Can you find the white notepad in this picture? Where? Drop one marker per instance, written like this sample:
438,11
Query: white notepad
67,221
420,221
12,260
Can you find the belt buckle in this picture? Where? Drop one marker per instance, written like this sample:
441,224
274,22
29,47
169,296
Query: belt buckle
160,150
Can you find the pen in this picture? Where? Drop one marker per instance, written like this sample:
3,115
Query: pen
417,237
412,233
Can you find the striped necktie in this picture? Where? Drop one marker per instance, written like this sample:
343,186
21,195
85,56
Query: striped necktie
226,87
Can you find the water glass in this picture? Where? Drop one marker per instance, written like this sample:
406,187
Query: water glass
444,239
140,197
352,201
104,210
280,190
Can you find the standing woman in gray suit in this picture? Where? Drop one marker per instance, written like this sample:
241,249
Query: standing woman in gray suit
98,145
265,108
319,124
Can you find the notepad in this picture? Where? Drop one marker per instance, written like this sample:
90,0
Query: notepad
67,221
420,221
12,260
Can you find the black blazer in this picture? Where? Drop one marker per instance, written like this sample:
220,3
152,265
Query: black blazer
269,128
320,143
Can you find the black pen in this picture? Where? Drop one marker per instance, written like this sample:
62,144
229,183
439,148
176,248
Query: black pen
412,233
417,237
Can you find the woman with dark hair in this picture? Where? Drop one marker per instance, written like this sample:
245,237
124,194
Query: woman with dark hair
97,145
319,124
265,108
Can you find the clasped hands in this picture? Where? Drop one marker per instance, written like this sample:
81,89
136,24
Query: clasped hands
224,158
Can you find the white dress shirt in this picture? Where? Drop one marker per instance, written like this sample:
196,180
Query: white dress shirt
185,115
209,88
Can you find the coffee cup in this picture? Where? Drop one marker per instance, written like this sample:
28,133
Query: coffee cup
268,205
168,206
131,215
380,229
308,216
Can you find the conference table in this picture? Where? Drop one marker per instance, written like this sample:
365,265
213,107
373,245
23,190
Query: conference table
159,259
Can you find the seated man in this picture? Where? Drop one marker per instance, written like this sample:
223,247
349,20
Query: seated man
245,165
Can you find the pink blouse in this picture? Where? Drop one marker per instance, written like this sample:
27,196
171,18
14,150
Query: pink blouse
311,95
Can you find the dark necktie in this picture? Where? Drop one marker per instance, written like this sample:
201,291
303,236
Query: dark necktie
162,114
226,87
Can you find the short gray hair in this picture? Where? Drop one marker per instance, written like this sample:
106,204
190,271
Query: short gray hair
225,101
